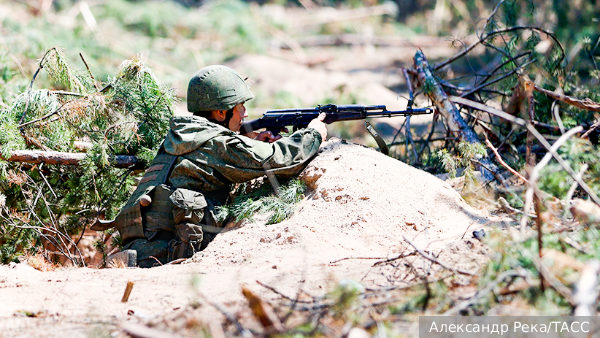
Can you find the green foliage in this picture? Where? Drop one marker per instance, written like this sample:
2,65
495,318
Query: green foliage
555,181
154,19
345,297
130,116
263,200
519,255
466,152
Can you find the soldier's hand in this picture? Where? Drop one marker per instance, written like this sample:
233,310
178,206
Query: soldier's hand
318,125
267,136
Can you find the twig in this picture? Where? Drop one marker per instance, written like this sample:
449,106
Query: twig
18,64
499,158
89,71
409,106
244,332
465,304
487,22
46,181
426,142
540,237
156,259
62,92
62,158
127,292
496,175
507,207
437,261
535,133
586,104
494,33
412,253
498,79
281,294
41,65
573,186
464,233
57,232
488,109
592,128
21,125
564,291
346,258
119,186
552,153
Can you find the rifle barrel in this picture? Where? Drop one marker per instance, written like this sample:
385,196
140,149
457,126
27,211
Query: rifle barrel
300,117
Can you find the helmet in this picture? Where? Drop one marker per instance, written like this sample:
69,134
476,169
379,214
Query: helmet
216,88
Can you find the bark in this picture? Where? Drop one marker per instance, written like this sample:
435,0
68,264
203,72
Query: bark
62,158
456,124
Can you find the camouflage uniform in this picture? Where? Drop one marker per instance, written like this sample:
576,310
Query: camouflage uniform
191,174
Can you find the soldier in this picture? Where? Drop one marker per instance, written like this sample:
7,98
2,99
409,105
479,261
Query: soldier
171,213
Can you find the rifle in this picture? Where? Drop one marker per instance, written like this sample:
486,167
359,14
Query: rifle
276,120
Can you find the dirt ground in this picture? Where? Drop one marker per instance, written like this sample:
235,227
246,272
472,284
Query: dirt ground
360,206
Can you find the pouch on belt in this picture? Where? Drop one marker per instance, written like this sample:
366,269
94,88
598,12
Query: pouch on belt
188,211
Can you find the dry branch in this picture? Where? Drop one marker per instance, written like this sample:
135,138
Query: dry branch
499,32
535,173
127,292
488,109
547,276
63,158
586,104
437,261
564,164
501,161
463,305
456,124
263,312
551,152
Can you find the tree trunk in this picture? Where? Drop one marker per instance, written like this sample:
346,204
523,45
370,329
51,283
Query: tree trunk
62,158
456,124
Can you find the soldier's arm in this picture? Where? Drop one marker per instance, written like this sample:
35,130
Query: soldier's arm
246,158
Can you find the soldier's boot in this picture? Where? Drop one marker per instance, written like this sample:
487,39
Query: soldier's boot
150,253
125,258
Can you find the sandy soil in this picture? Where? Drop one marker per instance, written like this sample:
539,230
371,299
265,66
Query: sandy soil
360,206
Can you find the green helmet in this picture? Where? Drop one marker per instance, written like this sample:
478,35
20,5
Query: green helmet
216,88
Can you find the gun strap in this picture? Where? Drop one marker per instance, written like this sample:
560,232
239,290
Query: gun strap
383,148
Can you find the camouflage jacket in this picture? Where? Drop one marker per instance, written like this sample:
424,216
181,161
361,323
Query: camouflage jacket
204,157
212,157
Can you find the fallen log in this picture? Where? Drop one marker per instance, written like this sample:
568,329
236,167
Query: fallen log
63,158
457,125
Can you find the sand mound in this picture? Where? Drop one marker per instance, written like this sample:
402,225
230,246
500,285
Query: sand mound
360,206
361,203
